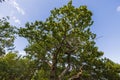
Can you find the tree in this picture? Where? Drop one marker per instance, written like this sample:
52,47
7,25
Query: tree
63,46
7,35
14,67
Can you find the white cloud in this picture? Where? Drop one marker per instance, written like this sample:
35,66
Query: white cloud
118,9
22,53
16,20
17,7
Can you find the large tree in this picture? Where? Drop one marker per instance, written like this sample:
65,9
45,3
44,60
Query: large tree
63,46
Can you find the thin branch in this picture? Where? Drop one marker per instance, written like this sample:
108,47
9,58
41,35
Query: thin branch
78,75
50,65
64,72
46,61
66,69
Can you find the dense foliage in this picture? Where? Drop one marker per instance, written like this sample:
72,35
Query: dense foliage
12,67
64,46
7,36
60,48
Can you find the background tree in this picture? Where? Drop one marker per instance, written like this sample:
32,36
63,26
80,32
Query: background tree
7,36
14,67
63,46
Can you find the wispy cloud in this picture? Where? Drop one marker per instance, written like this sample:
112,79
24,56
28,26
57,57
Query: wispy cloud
22,53
17,7
16,20
118,9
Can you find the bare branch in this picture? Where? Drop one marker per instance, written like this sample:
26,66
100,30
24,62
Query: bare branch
50,65
66,69
64,72
77,76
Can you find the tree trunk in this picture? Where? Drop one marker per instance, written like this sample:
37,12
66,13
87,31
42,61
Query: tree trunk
53,71
66,69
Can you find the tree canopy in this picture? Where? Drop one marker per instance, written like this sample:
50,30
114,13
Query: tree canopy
60,48
64,46
7,36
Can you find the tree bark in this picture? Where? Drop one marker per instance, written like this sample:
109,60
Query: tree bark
53,67
77,76
66,69
53,72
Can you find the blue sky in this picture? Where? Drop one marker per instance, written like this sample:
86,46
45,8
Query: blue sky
106,16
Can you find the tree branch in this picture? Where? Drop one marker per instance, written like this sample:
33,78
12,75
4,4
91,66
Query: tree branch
66,69
70,50
54,62
63,73
48,63
77,76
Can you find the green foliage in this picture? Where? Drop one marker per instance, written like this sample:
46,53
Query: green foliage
64,43
60,48
41,75
12,67
65,39
6,35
